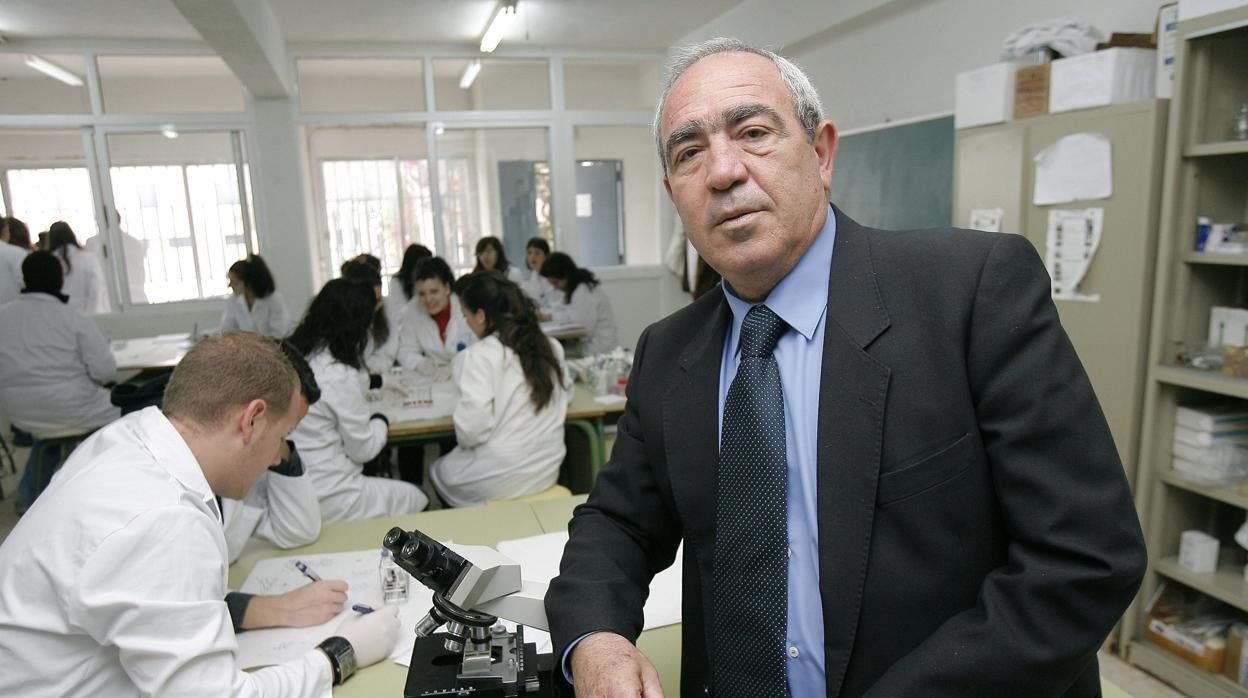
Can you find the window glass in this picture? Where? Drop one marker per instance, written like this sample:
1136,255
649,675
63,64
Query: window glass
24,89
168,84
360,84
500,84
610,84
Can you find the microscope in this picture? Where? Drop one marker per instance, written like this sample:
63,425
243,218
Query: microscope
475,656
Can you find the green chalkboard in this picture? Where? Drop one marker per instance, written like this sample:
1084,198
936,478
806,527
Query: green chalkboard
900,177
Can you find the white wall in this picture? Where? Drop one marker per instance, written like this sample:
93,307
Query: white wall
640,295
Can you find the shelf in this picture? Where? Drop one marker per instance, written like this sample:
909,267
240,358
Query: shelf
1223,493
1204,150
1231,260
1226,584
1209,381
1189,679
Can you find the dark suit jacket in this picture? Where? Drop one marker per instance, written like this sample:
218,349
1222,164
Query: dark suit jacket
976,532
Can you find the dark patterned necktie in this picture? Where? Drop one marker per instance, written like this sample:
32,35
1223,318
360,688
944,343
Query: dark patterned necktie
750,591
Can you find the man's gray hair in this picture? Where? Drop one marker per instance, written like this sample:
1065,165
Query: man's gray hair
806,102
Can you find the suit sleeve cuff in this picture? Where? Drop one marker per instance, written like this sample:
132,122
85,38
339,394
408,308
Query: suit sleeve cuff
565,662
237,603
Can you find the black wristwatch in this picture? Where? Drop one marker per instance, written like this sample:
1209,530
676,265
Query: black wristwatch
341,656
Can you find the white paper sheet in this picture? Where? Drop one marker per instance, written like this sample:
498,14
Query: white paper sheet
359,569
986,219
1079,167
1072,241
539,559
395,398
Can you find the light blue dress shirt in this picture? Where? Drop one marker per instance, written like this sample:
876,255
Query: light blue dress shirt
801,300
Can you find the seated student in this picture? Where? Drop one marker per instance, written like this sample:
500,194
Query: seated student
281,508
84,276
403,283
581,301
11,255
127,601
513,397
381,352
432,328
536,250
256,305
53,364
491,257
339,433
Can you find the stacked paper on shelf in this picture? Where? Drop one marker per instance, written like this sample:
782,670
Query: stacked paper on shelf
1212,418
1210,444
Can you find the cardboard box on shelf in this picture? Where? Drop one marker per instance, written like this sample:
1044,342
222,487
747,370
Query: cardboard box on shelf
1102,78
1236,666
1190,625
984,95
1031,91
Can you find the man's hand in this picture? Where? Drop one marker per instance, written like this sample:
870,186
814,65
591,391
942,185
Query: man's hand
311,604
605,664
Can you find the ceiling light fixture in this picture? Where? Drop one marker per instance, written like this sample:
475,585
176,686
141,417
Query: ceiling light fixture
499,22
470,74
52,70
168,131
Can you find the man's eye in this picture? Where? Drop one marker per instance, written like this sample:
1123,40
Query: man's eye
685,154
754,132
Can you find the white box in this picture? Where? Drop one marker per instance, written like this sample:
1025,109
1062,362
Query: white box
1228,327
1195,8
1102,78
1212,418
1167,49
984,95
1198,552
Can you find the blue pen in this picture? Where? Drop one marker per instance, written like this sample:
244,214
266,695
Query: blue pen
307,571
362,608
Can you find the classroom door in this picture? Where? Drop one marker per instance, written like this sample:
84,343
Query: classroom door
599,216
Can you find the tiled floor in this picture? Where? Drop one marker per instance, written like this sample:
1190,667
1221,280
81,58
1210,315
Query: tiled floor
1131,682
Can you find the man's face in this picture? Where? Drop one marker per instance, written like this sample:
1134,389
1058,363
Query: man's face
751,189
263,444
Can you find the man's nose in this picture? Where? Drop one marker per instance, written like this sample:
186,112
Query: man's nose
725,166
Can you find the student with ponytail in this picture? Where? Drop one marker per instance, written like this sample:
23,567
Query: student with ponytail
514,392
256,305
582,301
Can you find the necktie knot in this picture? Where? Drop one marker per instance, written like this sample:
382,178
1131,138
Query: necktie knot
760,331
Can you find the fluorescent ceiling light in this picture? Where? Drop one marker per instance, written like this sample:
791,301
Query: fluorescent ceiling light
53,70
470,74
168,131
504,13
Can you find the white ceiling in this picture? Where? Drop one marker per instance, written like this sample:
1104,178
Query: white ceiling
640,25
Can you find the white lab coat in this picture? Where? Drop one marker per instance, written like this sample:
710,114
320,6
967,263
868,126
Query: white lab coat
336,437
421,348
53,364
506,448
84,281
540,290
112,583
11,282
279,508
396,301
591,309
267,315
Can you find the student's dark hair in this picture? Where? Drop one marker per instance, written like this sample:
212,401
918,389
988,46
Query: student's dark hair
434,268
41,273
255,275
407,271
365,258
60,237
337,319
538,243
307,379
560,266
512,317
364,273
19,234
502,265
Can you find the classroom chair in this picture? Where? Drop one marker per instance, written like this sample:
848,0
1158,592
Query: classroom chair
47,453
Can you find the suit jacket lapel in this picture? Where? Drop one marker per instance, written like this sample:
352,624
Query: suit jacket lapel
852,395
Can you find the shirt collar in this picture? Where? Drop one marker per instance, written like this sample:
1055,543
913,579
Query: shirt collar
795,298
170,450
44,296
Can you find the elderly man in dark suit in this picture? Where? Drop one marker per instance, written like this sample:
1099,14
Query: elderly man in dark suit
885,459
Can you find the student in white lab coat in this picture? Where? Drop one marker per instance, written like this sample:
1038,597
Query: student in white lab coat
84,275
256,305
381,351
112,583
581,301
403,284
432,328
536,250
513,397
11,256
340,432
491,257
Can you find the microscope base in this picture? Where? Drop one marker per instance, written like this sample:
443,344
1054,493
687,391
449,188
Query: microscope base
435,671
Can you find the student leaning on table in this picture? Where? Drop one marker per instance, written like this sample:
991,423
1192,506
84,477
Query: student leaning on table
340,432
513,397
256,305
432,328
112,582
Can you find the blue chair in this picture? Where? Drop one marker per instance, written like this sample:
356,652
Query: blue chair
48,452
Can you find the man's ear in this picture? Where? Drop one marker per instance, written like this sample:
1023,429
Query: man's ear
253,411
825,141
